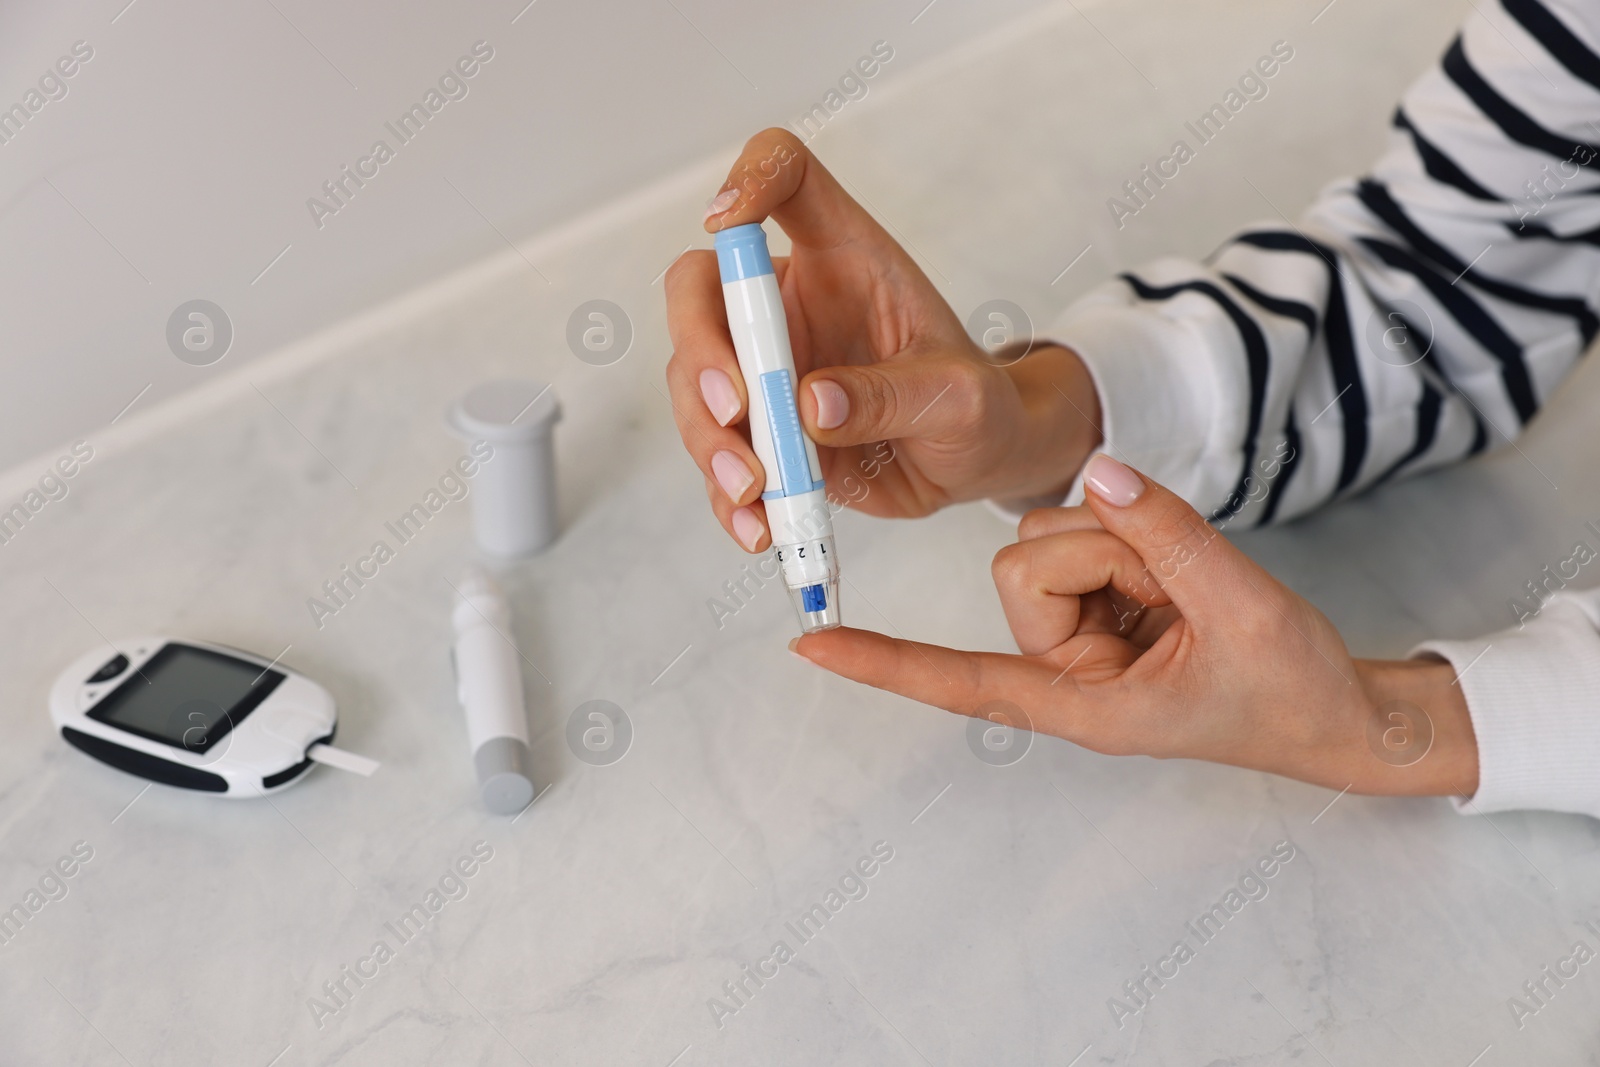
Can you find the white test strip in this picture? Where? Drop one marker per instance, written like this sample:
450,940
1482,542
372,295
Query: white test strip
345,761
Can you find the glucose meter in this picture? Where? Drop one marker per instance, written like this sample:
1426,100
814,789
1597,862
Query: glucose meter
198,716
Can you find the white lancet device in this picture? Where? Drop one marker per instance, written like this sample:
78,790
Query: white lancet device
796,501
489,686
198,716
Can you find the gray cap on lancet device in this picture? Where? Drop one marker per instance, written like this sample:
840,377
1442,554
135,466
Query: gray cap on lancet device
502,775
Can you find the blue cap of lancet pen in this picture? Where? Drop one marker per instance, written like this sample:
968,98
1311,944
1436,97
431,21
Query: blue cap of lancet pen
799,516
742,252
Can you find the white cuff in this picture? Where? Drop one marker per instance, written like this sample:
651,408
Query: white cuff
1160,403
1158,400
1534,696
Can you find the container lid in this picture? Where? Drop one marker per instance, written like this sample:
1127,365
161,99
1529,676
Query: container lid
508,410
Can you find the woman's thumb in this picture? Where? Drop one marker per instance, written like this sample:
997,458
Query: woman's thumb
932,397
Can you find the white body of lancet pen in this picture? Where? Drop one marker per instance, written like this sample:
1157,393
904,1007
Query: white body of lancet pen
489,686
796,501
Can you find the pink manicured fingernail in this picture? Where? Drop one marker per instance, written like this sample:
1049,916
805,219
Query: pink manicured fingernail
1111,481
748,529
732,474
725,199
717,390
833,404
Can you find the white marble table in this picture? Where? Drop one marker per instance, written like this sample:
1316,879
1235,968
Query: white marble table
1016,901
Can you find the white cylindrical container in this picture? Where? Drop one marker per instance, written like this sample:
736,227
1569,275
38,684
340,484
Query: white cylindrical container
798,513
514,493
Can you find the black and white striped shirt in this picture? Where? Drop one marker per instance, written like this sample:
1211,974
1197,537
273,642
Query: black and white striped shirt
1411,318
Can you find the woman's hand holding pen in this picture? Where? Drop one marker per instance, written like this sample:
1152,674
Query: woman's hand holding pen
882,357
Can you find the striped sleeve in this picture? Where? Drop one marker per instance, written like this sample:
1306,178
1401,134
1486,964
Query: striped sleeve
1408,319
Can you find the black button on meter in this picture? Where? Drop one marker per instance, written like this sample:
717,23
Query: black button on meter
110,670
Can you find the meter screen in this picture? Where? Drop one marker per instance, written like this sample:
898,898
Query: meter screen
187,697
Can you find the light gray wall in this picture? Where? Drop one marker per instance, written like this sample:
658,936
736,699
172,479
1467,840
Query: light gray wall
179,163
